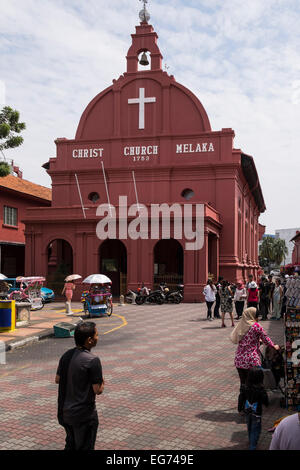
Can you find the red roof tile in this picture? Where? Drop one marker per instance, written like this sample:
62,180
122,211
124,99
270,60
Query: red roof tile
23,186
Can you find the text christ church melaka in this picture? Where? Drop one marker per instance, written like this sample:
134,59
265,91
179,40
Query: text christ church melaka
148,138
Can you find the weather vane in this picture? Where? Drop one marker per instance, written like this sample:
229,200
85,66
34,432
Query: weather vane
144,14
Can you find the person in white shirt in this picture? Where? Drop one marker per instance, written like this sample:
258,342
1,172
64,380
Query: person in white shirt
250,279
287,434
209,292
240,296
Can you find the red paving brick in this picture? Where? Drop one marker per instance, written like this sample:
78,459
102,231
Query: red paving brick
170,384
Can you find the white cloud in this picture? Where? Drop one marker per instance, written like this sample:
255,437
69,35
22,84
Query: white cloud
240,58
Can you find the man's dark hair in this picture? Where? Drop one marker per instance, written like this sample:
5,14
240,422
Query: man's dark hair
83,331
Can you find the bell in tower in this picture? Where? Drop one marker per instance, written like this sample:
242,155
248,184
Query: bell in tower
144,59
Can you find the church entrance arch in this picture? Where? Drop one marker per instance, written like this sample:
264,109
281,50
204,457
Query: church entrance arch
168,263
59,264
113,263
213,256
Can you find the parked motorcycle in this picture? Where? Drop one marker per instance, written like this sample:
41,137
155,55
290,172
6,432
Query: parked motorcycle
174,297
150,297
131,296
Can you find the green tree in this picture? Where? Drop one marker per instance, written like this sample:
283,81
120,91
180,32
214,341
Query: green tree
10,127
272,251
280,250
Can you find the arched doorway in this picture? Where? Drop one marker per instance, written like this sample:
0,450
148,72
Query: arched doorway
60,264
168,263
113,263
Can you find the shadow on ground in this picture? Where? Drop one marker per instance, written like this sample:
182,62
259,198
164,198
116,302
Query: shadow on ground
222,416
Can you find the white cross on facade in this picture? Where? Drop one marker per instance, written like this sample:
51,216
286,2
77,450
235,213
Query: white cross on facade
141,102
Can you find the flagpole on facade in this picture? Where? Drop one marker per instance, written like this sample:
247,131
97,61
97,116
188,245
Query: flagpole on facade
105,182
136,195
78,187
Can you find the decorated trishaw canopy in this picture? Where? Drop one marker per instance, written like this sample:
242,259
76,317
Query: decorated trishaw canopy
97,279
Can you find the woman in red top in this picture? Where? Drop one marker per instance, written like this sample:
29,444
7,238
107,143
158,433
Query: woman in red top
253,295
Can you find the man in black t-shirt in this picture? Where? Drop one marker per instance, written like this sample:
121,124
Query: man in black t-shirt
79,375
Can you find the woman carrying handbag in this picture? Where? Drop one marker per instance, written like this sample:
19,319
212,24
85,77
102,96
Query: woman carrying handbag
226,302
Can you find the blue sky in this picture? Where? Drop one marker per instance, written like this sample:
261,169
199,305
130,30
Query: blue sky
241,59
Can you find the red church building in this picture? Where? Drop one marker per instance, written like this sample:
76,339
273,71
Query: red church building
147,140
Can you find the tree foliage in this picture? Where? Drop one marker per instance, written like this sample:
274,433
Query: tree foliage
5,169
10,127
272,251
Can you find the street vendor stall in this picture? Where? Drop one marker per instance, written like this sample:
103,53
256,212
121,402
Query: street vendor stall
292,344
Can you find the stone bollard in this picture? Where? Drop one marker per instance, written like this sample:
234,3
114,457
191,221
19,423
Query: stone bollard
121,300
2,353
68,308
23,311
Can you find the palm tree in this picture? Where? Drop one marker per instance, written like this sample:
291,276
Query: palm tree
272,251
280,250
266,249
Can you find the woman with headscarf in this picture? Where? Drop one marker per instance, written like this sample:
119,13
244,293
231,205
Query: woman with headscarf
248,334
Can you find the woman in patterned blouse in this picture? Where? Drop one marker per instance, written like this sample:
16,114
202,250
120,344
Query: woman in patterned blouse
248,334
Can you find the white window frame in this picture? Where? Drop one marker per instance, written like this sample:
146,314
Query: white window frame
10,216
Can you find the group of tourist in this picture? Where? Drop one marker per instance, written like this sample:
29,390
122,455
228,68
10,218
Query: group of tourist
267,296
249,335
261,299
80,379
222,295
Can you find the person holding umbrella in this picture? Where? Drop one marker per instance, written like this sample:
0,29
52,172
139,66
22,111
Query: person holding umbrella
68,290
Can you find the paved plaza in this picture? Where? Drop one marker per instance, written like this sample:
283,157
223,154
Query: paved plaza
170,384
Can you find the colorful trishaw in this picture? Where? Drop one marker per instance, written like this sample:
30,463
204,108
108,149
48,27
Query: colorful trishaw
97,301
29,291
